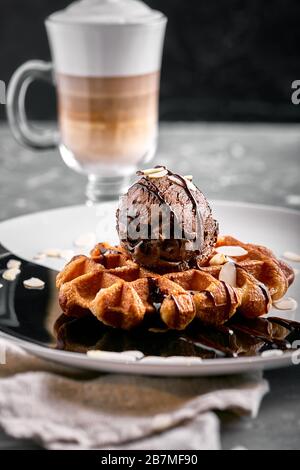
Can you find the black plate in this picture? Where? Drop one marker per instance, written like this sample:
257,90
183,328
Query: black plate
35,316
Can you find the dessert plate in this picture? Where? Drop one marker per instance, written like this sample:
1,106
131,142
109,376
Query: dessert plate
32,318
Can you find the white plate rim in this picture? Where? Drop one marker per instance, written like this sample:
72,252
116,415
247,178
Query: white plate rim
222,366
219,202
206,367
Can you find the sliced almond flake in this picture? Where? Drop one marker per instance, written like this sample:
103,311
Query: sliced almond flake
13,264
191,185
158,330
188,180
272,353
218,260
193,359
11,274
171,359
175,179
152,360
135,354
67,254
40,256
52,253
150,171
55,253
183,359
160,174
234,251
161,422
34,283
228,274
286,303
111,356
291,256
85,240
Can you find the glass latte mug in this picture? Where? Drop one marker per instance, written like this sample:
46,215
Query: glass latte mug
106,68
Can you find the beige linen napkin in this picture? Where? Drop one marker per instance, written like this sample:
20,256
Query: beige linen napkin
66,409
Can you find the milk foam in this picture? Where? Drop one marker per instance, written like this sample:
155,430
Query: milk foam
106,38
107,11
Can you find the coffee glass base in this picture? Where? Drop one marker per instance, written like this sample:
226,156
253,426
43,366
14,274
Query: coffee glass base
105,189
106,181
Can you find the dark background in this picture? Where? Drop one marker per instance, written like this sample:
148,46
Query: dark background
225,60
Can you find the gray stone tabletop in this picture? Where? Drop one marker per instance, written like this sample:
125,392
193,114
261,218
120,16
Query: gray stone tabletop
252,163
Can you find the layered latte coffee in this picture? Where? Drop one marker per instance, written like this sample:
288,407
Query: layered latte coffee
108,119
106,61
107,57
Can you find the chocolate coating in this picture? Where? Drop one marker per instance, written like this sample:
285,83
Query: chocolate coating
182,236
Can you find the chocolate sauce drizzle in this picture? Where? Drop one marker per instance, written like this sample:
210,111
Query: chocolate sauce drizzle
151,187
156,296
177,305
266,295
105,251
198,215
238,338
29,316
134,246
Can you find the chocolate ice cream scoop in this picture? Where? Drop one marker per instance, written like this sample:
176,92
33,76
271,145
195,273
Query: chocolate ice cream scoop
165,221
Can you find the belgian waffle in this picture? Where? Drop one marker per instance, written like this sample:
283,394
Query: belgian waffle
121,294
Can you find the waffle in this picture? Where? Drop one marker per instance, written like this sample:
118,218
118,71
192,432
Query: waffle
261,263
122,294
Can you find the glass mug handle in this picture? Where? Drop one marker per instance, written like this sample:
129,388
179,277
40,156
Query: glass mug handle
22,130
